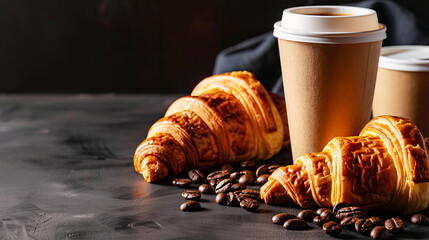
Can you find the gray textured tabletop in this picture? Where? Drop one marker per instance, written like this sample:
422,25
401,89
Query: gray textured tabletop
67,173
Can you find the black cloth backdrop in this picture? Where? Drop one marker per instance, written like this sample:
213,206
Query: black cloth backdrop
260,56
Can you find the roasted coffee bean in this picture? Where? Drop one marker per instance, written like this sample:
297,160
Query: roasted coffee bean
191,194
394,225
328,214
190,206
247,165
320,210
364,226
223,186
263,169
295,224
307,215
244,172
220,174
247,193
246,179
380,232
226,166
221,198
237,187
281,218
340,205
272,168
205,188
349,222
261,180
332,228
319,221
249,204
231,199
351,211
214,182
235,176
420,219
196,175
182,182
376,221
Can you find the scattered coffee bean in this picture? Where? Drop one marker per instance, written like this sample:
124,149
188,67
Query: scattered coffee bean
196,175
272,168
249,204
246,179
226,166
420,219
213,183
295,224
263,169
190,206
364,226
380,232
237,187
307,215
220,174
320,210
394,225
350,211
328,214
376,221
223,186
247,165
261,180
205,188
191,194
235,176
349,222
340,205
332,228
244,172
319,221
231,199
247,193
221,198
281,218
182,182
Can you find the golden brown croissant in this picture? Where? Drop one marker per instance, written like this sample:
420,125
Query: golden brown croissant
228,118
385,168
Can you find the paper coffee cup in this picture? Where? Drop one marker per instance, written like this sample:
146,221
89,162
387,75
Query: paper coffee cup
402,86
329,58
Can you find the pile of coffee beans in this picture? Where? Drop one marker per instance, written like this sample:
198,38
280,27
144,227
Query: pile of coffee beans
229,185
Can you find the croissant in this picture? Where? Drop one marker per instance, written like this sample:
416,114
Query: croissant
228,118
385,168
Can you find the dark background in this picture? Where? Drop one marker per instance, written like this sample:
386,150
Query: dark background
129,46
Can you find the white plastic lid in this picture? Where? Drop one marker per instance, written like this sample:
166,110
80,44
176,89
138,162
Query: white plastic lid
405,58
311,24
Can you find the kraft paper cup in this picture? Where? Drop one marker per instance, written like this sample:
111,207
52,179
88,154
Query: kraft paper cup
402,86
329,66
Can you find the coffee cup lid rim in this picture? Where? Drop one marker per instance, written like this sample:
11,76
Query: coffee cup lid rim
413,58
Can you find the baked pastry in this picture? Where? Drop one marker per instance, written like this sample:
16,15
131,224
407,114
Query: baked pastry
385,168
228,118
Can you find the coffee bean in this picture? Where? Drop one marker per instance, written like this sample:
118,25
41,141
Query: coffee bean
376,221
205,188
190,206
420,219
246,179
281,218
247,193
380,232
320,210
328,214
319,221
235,175
221,198
349,222
351,211
364,226
244,172
196,175
247,165
272,168
307,215
237,187
261,180
231,199
263,169
191,194
226,166
220,174
295,224
332,228
182,182
394,225
223,186
340,205
214,182
249,204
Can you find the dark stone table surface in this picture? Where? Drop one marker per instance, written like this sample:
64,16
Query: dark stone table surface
67,173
